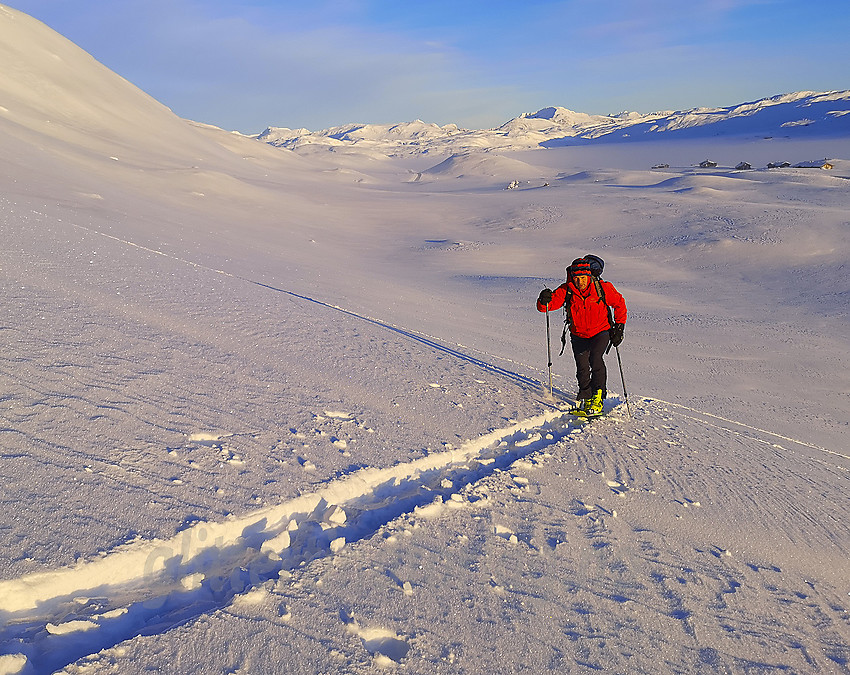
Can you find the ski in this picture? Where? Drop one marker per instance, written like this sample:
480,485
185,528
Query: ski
581,414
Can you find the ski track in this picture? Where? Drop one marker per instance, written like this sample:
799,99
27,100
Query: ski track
424,338
149,586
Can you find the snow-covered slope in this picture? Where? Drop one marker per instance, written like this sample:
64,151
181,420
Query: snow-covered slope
264,412
797,115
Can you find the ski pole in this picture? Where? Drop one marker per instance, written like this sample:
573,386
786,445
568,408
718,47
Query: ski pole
623,380
549,349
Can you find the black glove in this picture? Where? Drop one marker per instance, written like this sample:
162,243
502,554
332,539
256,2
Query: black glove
545,296
616,334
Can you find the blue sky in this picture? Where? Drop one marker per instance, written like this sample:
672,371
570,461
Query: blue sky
249,64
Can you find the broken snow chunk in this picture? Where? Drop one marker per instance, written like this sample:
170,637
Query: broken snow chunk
520,480
435,385
337,414
192,582
430,510
407,588
277,544
446,483
337,544
340,444
12,663
112,614
253,597
70,627
335,515
456,501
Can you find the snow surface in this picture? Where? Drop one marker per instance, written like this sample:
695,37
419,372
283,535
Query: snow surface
267,411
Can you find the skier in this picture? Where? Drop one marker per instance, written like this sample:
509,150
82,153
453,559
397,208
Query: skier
588,302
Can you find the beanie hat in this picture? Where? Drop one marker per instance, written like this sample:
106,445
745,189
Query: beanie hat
580,266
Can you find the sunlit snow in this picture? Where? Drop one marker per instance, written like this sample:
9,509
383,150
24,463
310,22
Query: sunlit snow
285,409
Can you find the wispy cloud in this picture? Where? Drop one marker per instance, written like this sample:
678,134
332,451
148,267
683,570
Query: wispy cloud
247,64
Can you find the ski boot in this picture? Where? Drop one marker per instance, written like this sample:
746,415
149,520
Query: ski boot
593,406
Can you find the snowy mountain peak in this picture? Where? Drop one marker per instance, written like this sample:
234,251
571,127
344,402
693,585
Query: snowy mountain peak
796,114
563,116
264,413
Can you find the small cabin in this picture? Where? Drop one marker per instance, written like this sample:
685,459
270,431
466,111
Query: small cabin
744,166
707,164
778,165
818,164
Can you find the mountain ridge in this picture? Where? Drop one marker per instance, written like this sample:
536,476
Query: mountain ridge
793,115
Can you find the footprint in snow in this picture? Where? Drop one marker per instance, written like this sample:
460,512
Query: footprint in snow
385,646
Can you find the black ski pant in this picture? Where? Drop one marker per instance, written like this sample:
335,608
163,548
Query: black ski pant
590,364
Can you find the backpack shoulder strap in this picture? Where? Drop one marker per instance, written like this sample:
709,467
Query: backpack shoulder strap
600,291
568,318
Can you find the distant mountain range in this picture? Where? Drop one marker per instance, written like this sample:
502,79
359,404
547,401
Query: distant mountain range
801,114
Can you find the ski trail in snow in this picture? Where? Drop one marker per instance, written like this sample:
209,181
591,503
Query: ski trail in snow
746,426
424,338
57,617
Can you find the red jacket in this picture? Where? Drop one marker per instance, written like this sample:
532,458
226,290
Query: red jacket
589,314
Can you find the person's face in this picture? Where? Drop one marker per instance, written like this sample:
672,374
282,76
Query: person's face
582,281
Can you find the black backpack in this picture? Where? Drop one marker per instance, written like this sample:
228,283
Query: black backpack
596,264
